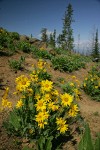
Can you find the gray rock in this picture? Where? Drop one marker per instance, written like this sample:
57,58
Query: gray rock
96,59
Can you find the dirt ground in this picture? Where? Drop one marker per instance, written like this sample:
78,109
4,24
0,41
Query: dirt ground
89,109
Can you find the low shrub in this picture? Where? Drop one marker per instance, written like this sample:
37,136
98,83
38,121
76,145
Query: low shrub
7,41
3,38
15,35
67,63
95,70
41,53
24,46
17,64
91,84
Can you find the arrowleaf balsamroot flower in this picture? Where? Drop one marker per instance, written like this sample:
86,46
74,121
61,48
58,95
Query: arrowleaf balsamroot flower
6,93
5,103
40,105
19,103
62,126
22,83
55,93
34,77
52,106
73,110
66,99
46,85
41,64
41,124
47,97
41,118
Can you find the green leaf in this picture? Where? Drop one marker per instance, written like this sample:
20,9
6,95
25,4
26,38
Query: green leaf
86,141
41,143
14,120
97,143
49,143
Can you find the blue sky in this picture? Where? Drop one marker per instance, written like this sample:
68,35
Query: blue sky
30,16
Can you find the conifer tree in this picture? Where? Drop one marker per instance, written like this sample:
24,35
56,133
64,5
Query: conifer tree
60,40
52,39
95,51
44,36
67,31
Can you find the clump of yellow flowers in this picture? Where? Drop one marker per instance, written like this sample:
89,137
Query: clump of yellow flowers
41,108
91,85
5,102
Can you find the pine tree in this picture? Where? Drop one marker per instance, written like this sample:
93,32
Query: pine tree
95,51
52,39
67,31
44,36
60,40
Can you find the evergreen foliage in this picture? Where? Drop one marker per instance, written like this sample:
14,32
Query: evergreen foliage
44,36
95,51
65,40
52,39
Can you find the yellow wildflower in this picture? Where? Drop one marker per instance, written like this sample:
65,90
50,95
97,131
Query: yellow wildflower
42,116
40,105
42,48
53,106
55,93
15,93
76,80
34,77
92,79
4,102
77,91
86,79
47,97
46,85
41,124
84,84
62,126
44,70
37,96
74,77
66,99
71,84
19,103
22,83
6,93
59,120
9,104
73,110
32,65
96,87
41,64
